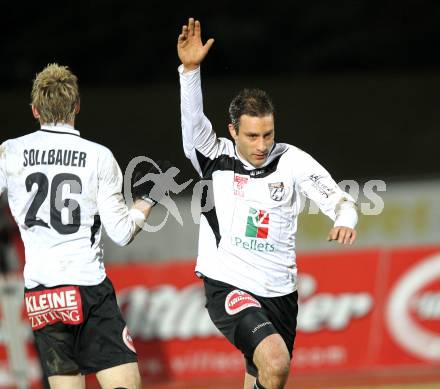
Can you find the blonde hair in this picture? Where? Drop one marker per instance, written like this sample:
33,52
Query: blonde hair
55,94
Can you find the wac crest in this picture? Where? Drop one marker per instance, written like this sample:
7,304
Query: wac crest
276,191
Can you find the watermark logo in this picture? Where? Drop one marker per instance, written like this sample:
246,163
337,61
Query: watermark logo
164,183
66,190
202,200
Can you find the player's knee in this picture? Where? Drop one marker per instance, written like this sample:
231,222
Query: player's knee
278,366
275,371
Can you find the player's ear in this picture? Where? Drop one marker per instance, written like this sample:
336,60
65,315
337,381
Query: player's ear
77,108
233,131
35,112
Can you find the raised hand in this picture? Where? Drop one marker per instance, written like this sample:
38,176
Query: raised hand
190,48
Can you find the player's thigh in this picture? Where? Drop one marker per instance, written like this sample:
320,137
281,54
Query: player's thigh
54,339
283,313
272,354
123,376
267,335
67,382
237,314
55,345
104,341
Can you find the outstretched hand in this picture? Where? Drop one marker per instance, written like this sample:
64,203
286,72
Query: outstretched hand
343,235
190,48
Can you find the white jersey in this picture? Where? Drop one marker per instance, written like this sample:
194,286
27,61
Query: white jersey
61,187
248,238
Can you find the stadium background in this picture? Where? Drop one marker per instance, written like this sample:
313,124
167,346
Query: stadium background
354,83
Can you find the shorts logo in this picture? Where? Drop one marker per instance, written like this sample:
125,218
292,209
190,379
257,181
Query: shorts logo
257,225
261,325
54,305
238,300
276,190
128,340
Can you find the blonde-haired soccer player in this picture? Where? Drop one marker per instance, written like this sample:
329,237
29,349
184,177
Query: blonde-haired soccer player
61,190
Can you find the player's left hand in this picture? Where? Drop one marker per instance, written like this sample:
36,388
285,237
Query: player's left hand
343,235
190,48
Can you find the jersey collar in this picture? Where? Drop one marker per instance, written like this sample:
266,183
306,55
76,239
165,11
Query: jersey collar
276,150
61,128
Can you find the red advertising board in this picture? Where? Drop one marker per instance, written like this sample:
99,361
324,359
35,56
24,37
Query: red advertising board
359,310
411,308
164,305
337,309
347,306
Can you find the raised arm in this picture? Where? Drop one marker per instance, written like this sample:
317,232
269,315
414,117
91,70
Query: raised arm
200,143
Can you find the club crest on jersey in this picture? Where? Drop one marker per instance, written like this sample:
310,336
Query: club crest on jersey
238,300
277,191
239,185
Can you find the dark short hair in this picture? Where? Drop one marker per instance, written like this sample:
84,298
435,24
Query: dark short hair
251,102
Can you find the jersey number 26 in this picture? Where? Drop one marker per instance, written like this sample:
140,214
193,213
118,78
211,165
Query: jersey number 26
57,204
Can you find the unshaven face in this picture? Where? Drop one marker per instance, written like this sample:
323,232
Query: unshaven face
255,138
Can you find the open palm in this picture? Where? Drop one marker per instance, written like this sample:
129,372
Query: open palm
190,48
